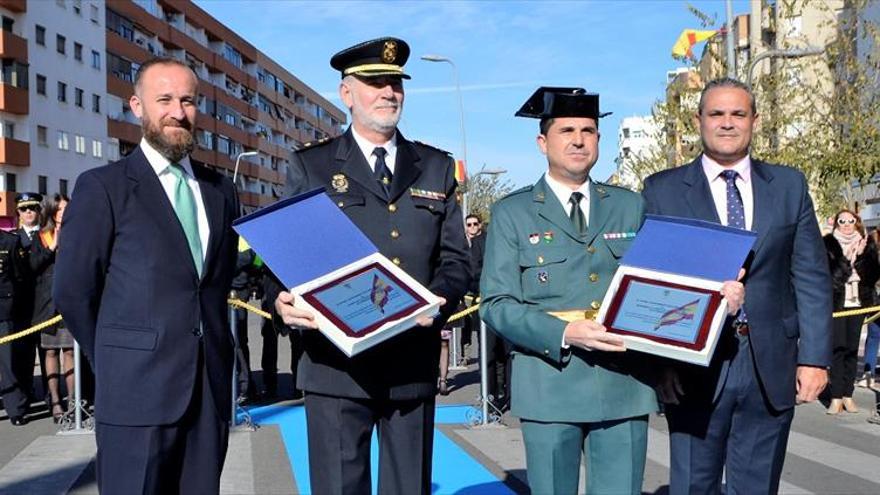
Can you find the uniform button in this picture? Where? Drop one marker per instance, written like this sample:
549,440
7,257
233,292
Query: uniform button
392,207
594,277
595,304
340,204
591,250
395,234
540,260
396,261
197,332
546,352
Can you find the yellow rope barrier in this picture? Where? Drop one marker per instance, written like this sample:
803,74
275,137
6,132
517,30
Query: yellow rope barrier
872,318
243,305
463,313
854,312
33,329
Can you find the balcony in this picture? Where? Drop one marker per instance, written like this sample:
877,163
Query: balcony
13,100
17,6
14,152
124,131
13,46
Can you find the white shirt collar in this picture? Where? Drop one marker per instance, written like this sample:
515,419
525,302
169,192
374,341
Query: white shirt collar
713,169
563,192
160,163
367,148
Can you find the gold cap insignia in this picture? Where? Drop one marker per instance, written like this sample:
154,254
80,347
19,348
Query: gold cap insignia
339,183
389,53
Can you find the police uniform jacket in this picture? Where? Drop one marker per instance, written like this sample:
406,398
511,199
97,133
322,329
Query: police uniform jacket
535,262
420,229
10,273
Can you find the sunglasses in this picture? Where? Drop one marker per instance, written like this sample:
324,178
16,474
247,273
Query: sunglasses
29,208
473,224
845,221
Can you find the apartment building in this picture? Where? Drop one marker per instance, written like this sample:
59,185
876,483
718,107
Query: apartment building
68,67
636,139
53,96
247,101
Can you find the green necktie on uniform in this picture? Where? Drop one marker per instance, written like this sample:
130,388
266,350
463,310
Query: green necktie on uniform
185,208
577,214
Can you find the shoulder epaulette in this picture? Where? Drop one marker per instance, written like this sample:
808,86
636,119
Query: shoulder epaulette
315,143
433,147
613,186
517,192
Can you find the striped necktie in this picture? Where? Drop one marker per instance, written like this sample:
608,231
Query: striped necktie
185,208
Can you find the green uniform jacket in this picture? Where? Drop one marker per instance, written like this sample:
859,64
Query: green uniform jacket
535,263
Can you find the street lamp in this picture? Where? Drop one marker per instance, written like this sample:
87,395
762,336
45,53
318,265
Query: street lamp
438,58
238,160
793,53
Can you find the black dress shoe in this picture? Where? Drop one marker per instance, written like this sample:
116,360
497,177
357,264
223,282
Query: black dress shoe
18,420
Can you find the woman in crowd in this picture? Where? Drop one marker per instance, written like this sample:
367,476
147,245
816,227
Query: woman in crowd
852,258
57,341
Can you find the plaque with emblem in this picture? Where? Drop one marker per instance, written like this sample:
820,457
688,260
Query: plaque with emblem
664,298
359,297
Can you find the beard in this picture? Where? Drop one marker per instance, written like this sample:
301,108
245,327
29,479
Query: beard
381,124
173,148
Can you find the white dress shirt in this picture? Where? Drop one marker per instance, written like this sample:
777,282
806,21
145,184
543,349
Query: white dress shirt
718,187
563,194
367,149
160,165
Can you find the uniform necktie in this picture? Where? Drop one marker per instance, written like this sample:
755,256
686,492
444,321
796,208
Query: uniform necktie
736,217
381,172
576,214
185,208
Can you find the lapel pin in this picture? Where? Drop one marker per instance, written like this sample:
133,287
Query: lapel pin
548,236
543,277
534,238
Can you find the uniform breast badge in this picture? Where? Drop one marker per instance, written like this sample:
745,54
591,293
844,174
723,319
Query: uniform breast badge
543,277
534,238
421,193
339,183
548,236
618,235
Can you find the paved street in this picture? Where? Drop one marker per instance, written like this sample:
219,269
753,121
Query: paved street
826,455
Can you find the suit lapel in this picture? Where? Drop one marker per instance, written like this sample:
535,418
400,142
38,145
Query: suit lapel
764,202
355,166
154,203
406,167
213,200
551,210
698,196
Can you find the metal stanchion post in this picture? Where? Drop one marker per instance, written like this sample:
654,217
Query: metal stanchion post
77,425
484,375
233,324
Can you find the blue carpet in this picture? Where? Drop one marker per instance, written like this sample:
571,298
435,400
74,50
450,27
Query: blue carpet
455,471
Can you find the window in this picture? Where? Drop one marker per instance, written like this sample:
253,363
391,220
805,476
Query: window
41,84
63,143
62,92
96,103
77,7
78,97
40,35
7,130
42,186
14,73
77,52
62,186
11,185
96,60
8,22
60,44
94,13
42,135
96,148
80,143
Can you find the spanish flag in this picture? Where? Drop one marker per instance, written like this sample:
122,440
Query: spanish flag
676,315
460,172
687,39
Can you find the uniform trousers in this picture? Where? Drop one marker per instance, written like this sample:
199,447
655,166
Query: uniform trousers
14,396
738,431
340,430
181,458
614,450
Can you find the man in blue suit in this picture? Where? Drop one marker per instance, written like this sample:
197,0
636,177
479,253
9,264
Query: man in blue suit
736,414
144,266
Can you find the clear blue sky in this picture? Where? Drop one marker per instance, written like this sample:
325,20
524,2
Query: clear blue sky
503,50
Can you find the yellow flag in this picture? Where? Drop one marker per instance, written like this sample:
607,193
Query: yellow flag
687,39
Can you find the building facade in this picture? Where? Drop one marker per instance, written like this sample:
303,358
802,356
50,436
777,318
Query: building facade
68,68
637,139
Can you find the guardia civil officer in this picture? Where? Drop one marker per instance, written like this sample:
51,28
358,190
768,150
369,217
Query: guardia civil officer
401,194
11,269
554,246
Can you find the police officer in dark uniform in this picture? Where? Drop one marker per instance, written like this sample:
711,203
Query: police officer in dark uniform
401,194
11,268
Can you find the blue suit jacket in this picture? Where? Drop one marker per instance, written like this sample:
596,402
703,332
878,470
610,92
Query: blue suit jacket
128,290
788,289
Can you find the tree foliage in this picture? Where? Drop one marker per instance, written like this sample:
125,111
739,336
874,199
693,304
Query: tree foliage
483,190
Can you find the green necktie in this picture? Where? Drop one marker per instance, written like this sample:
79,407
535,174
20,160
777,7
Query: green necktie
577,215
185,208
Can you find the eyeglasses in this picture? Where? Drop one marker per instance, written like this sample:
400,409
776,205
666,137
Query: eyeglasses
473,224
844,221
29,208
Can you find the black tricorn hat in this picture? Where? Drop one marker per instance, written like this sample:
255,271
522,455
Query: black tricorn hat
374,58
547,102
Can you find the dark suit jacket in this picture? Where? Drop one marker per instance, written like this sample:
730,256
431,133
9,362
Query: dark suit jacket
788,289
130,294
430,246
